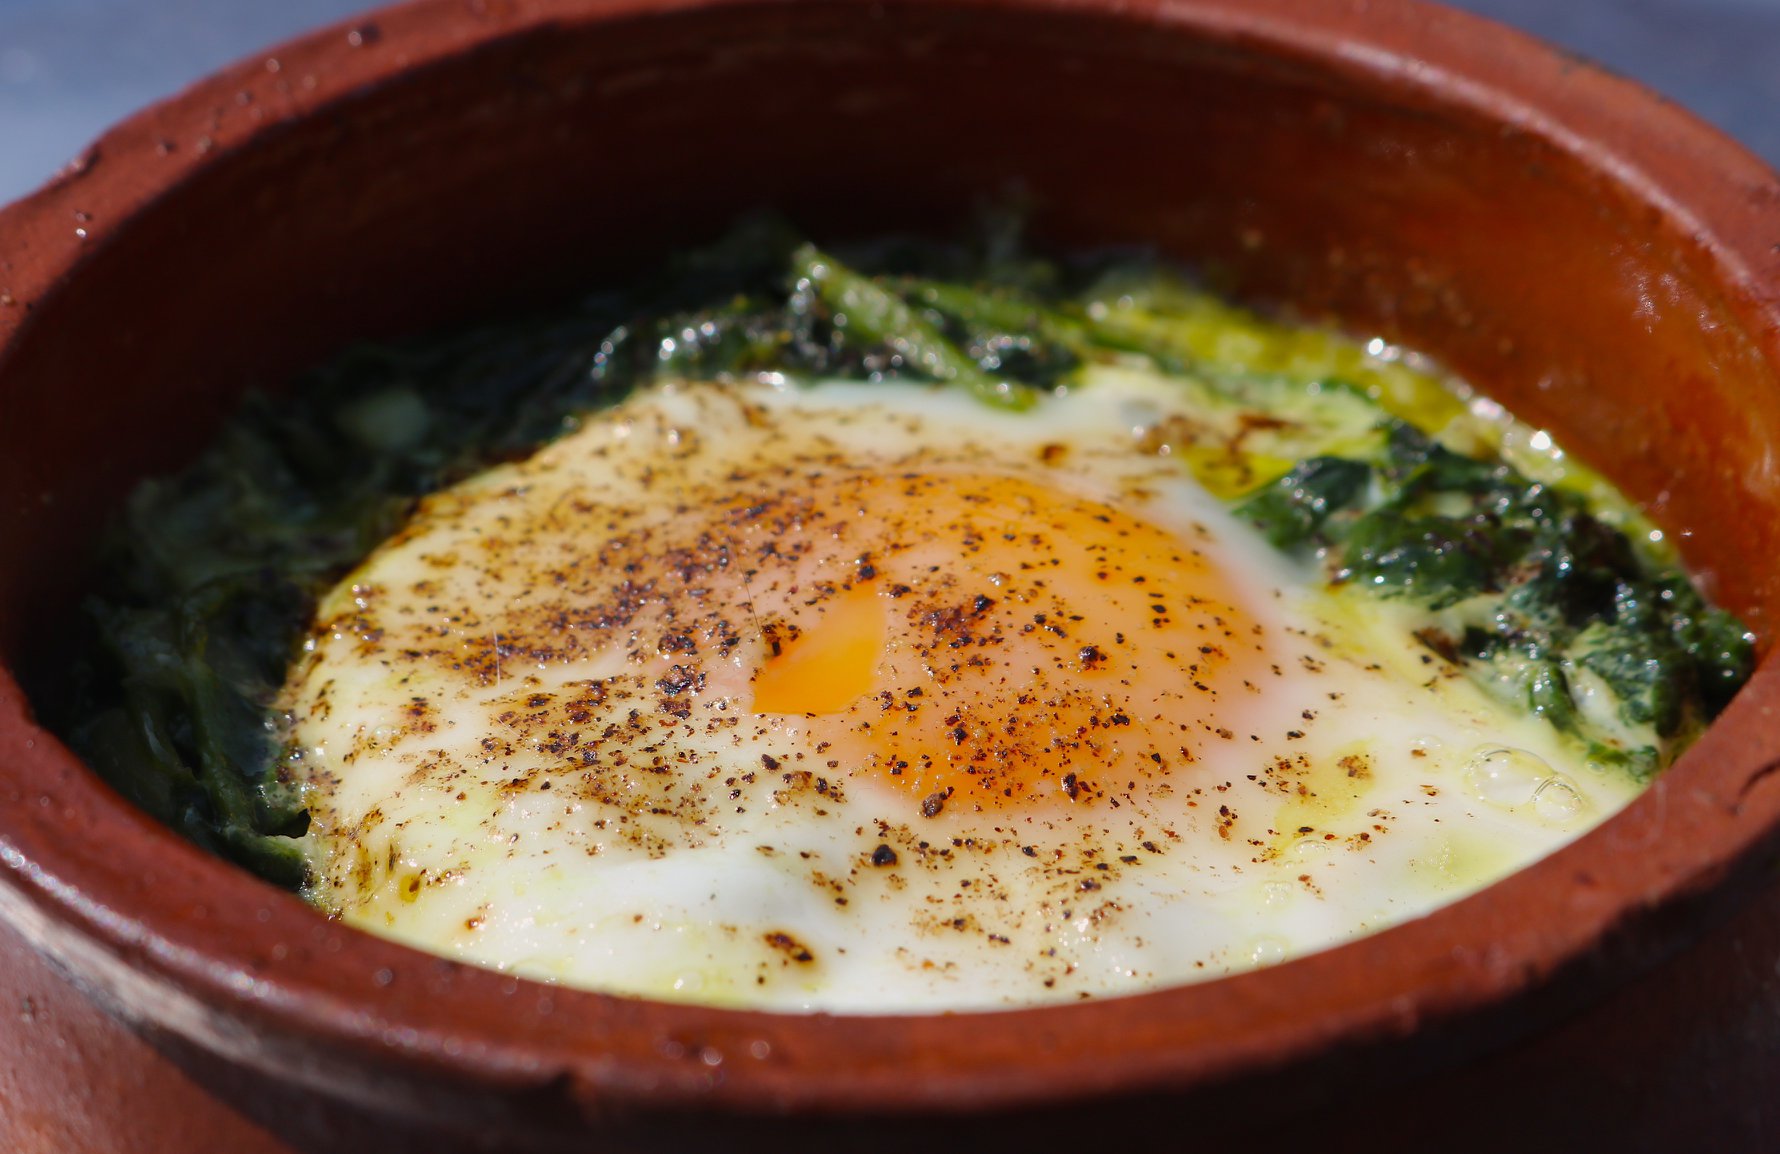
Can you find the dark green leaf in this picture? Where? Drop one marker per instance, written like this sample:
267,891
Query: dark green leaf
1293,509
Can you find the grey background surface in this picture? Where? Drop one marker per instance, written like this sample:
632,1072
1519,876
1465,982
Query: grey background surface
69,68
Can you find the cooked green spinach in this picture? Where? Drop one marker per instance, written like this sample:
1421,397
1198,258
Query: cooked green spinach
1544,591
213,573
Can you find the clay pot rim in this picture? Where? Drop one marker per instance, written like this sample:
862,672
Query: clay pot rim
74,851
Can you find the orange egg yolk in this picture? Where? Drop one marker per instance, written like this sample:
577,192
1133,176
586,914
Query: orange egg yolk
991,641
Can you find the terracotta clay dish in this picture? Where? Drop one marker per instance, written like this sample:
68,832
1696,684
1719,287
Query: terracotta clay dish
1600,261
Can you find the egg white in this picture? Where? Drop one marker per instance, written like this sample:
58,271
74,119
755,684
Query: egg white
495,780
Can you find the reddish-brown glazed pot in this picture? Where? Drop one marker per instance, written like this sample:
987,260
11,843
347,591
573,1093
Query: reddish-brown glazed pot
1596,258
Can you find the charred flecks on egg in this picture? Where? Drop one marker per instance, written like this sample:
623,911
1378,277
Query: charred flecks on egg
875,699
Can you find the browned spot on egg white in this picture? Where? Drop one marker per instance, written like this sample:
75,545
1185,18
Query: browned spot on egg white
790,947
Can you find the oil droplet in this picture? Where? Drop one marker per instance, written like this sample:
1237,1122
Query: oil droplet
1311,848
1505,777
1557,800
1266,951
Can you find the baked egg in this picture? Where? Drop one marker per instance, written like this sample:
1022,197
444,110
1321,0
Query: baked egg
874,699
